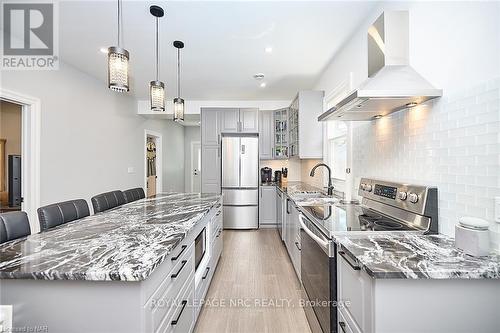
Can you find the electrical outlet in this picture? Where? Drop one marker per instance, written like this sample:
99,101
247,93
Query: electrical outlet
131,170
497,209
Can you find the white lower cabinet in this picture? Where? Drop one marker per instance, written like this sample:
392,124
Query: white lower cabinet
413,305
267,206
292,234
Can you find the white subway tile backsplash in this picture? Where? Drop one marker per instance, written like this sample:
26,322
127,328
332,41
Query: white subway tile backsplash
452,143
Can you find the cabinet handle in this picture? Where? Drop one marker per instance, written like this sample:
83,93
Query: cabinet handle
206,274
176,320
173,276
342,326
353,266
297,245
179,254
287,211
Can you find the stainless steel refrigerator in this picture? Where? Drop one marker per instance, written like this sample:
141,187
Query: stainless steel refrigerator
240,181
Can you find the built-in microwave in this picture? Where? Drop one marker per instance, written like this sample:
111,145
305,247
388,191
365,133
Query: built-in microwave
200,247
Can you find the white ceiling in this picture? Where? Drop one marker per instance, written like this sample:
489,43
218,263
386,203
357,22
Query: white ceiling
225,43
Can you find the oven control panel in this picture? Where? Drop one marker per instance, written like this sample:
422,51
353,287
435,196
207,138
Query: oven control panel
404,196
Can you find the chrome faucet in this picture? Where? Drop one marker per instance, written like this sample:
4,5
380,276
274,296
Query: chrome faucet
330,186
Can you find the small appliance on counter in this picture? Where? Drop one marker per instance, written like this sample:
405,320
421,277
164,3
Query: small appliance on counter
472,236
266,175
284,176
277,176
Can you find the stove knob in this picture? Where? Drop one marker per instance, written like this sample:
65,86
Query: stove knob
402,195
363,186
413,197
369,188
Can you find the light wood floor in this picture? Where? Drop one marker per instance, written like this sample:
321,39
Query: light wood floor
254,269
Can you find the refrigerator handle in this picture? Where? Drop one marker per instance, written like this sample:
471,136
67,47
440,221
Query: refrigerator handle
243,149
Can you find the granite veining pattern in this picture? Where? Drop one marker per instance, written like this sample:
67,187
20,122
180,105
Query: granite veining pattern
126,243
417,256
304,194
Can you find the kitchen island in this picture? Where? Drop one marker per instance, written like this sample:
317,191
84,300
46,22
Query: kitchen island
137,259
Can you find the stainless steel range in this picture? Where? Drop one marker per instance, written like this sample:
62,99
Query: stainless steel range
385,207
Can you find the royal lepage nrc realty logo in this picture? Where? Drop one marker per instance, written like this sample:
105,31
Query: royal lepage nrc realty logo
30,39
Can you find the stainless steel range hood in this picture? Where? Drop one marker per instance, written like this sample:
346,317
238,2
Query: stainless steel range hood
392,85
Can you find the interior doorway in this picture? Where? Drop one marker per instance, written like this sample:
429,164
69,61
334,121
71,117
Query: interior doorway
10,156
196,167
153,163
29,156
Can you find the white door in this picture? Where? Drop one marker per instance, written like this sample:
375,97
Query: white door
196,167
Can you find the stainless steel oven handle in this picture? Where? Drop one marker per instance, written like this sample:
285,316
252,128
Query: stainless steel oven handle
318,240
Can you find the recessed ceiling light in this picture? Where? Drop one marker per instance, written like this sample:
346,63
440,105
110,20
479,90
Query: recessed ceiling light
268,49
103,50
258,76
377,116
263,85
412,104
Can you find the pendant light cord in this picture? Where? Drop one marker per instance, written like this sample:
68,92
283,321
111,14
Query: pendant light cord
178,72
119,20
157,52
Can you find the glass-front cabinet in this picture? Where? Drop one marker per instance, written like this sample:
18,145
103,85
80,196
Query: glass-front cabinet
293,123
281,133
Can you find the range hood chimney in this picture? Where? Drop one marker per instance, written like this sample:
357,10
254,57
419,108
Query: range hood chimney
392,84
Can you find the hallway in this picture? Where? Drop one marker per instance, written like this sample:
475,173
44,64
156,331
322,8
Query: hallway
254,289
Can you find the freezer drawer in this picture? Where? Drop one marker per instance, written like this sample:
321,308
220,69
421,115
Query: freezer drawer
241,217
241,196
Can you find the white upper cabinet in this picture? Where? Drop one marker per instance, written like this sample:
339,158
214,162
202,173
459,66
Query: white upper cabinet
266,142
249,120
305,131
210,126
240,120
230,120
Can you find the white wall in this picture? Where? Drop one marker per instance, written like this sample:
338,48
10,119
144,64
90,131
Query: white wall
191,134
91,135
453,142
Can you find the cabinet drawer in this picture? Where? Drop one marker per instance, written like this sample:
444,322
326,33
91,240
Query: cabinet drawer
180,318
217,247
345,323
295,255
161,275
355,286
163,299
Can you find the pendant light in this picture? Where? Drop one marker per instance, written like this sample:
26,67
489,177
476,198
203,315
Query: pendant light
157,88
118,59
178,101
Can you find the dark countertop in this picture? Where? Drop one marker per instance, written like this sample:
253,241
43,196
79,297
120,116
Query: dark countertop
416,256
125,244
395,255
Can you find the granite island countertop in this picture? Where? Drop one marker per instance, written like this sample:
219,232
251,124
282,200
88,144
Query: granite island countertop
416,256
125,244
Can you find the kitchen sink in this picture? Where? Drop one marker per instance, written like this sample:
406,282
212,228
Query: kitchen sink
313,198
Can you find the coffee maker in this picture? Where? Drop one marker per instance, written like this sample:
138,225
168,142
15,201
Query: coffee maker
266,175
277,176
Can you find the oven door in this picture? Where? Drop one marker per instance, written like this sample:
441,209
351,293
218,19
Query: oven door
318,273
